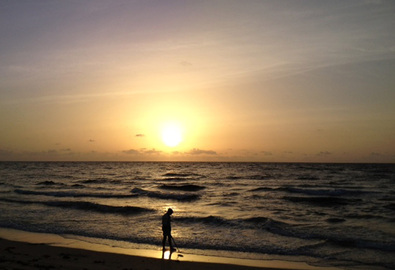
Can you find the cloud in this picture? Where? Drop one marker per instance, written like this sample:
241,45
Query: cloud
5,152
142,151
186,64
140,135
152,152
374,154
380,157
324,153
267,153
91,141
196,151
131,152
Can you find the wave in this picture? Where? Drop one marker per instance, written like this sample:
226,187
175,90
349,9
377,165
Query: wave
257,220
179,174
210,247
73,194
187,187
335,220
362,243
211,220
231,177
259,177
307,177
271,225
390,206
94,181
175,179
86,206
108,235
264,189
253,222
57,184
324,192
47,183
290,230
77,186
363,216
170,196
324,201
99,207
312,191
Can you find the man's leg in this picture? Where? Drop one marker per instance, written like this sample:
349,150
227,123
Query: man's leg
170,242
164,241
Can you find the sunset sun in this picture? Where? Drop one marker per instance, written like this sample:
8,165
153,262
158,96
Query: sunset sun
171,134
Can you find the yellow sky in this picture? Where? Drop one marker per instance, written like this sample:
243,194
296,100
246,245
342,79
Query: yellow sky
244,80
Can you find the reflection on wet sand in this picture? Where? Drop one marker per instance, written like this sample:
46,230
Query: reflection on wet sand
166,254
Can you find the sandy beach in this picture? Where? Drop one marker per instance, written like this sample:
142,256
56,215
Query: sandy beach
48,251
20,255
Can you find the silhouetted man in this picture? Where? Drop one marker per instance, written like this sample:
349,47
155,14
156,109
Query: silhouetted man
166,228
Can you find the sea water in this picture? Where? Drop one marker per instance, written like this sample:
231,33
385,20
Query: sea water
324,214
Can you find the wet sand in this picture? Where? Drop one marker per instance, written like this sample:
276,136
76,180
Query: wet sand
20,255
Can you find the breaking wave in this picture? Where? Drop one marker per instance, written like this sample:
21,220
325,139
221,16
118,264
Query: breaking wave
166,196
73,194
324,192
210,220
49,183
86,206
322,201
187,187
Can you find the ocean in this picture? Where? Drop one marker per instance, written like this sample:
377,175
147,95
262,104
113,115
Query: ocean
324,214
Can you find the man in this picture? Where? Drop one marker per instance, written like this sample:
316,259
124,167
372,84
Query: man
166,228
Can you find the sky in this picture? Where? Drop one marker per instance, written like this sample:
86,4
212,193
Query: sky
266,81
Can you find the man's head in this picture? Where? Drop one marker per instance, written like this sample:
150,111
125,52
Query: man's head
170,211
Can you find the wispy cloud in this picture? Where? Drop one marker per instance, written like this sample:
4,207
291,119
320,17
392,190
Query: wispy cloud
142,151
324,154
152,152
375,154
196,151
131,152
6,153
186,64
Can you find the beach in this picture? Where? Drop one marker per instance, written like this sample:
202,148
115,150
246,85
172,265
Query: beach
48,251
21,255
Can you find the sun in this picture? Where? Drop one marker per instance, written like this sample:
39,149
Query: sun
171,134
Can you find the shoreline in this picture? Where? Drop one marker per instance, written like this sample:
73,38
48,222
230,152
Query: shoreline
46,251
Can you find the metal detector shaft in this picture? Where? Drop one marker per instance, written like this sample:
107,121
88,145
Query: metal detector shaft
174,241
